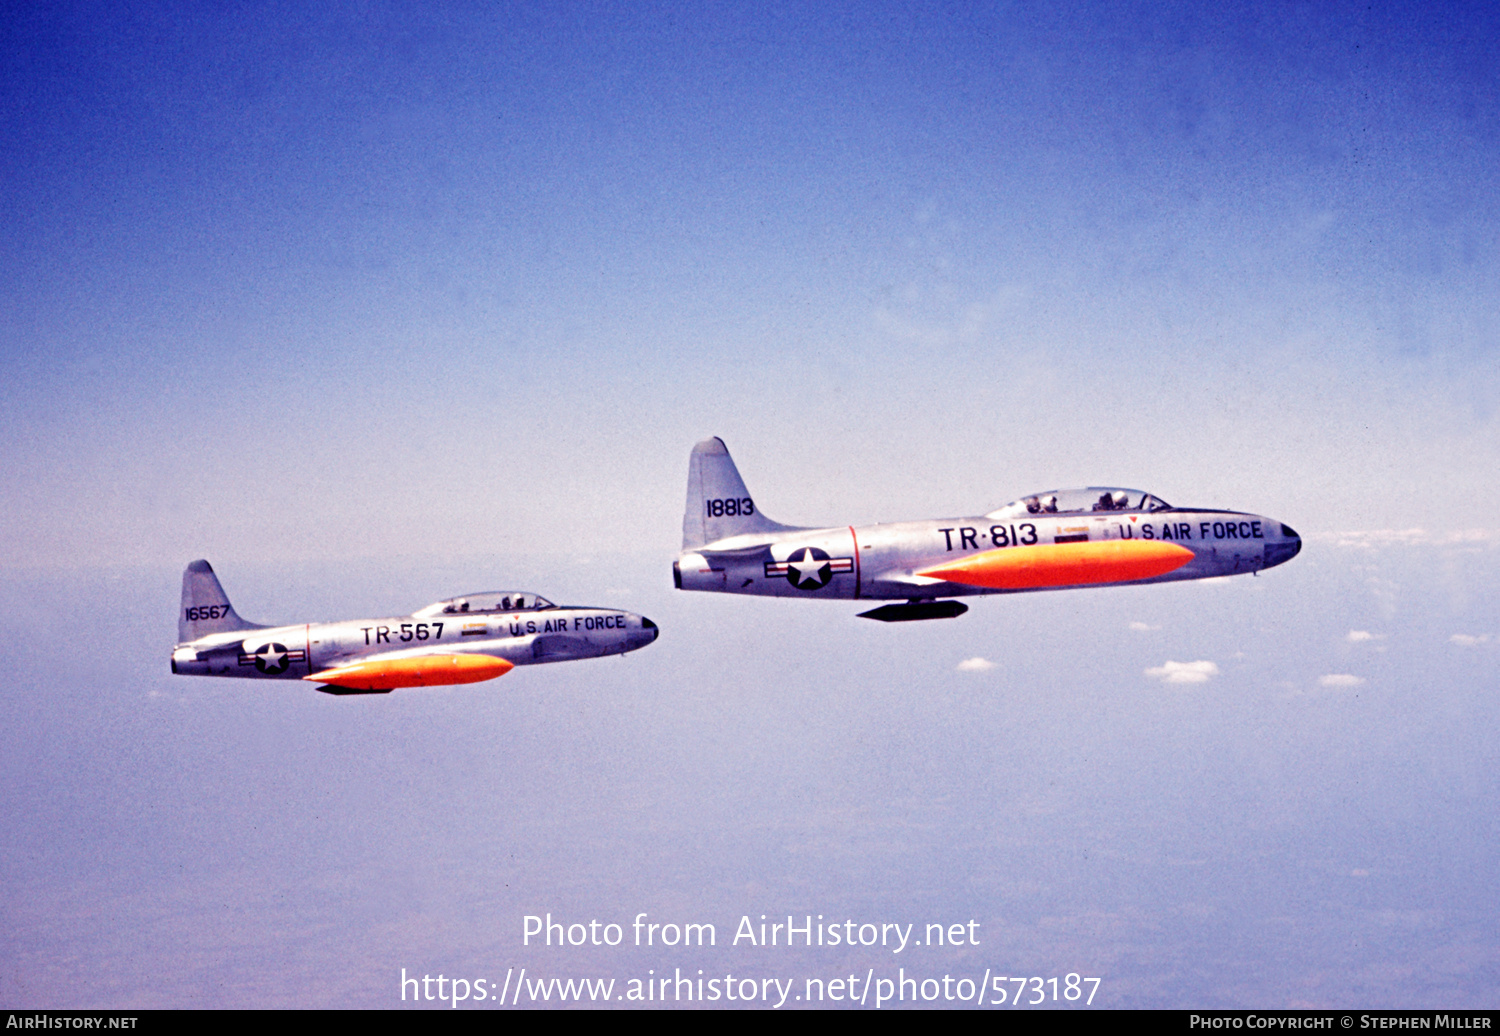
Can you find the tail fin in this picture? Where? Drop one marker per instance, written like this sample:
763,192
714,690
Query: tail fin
205,608
718,504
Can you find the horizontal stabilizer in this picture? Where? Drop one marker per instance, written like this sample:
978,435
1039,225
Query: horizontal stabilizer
384,674
739,555
1063,564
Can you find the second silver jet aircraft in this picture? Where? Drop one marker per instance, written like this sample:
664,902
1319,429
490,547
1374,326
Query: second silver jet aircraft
461,640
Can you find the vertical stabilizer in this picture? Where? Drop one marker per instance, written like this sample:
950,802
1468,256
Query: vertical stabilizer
205,607
718,504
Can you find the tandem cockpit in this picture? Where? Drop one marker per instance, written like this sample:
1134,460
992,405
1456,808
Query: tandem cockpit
1081,501
488,603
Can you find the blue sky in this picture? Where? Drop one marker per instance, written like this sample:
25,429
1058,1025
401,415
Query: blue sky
370,308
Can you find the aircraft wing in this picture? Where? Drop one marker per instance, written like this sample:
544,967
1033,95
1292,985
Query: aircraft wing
901,577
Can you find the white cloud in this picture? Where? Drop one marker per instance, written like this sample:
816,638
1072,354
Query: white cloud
1359,636
1184,672
1465,640
1340,680
975,665
1141,627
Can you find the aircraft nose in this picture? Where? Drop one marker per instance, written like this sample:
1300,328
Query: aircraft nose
1285,550
643,636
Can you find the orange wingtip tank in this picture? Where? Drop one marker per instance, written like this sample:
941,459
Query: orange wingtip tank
422,671
1064,564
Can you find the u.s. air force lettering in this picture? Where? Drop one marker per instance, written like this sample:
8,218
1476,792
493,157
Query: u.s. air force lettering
1046,541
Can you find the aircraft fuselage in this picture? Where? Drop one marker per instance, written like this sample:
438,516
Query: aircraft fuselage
520,638
886,561
1093,536
460,640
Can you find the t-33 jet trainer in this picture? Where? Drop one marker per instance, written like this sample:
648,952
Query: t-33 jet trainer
1047,541
461,640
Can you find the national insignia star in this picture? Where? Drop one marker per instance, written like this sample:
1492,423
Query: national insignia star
809,569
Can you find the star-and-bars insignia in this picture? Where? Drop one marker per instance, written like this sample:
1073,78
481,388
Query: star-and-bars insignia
809,568
273,659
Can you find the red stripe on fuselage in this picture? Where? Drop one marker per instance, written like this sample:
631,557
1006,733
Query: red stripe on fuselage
855,539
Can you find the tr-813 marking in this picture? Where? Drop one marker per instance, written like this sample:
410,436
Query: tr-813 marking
731,508
1000,536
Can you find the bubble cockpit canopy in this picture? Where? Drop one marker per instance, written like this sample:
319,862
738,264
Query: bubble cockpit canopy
1080,501
487,603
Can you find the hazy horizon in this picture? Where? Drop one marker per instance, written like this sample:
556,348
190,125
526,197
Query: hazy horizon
371,306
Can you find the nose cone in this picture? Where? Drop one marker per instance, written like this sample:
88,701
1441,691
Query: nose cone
646,634
1278,553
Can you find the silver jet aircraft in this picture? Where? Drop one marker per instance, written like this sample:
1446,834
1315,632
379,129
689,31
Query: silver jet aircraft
461,640
1046,541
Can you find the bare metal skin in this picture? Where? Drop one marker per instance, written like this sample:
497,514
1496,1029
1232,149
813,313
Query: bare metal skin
515,627
1099,536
